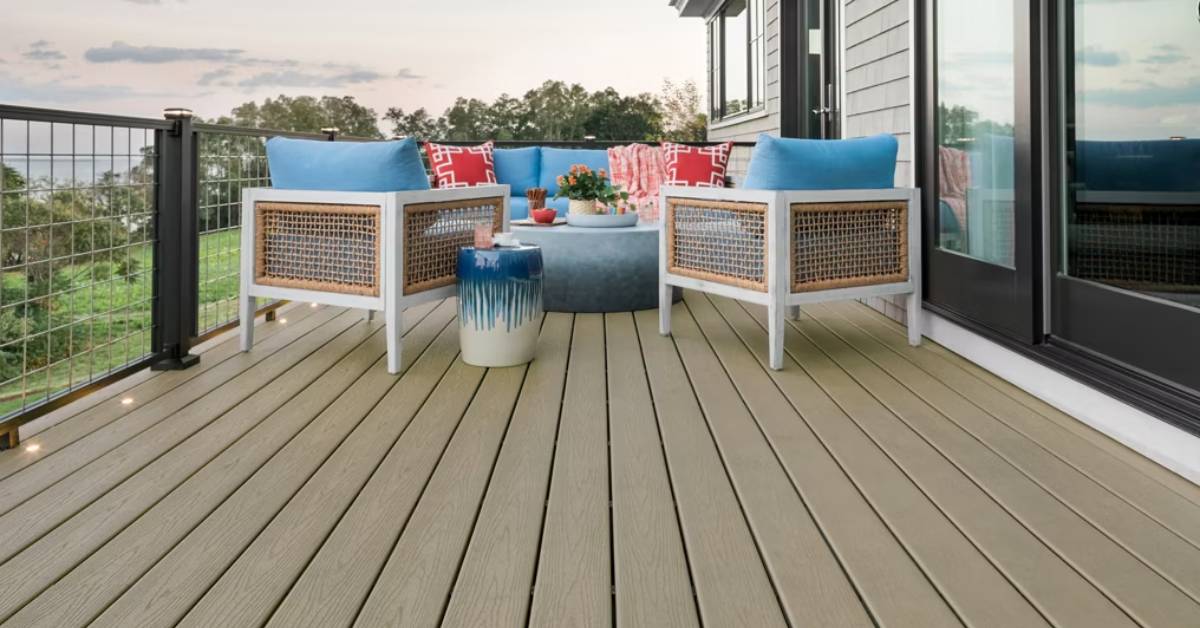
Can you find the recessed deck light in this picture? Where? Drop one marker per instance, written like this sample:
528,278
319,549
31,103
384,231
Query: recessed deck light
312,305
126,401
33,448
283,320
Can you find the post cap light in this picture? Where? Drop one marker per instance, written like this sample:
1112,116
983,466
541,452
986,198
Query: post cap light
589,138
177,113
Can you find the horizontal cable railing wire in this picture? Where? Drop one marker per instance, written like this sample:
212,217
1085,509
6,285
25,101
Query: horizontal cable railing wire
77,200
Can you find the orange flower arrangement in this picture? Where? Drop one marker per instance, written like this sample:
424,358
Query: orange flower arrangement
582,183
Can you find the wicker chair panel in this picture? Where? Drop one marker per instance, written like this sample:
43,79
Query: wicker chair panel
1137,247
322,247
719,241
843,245
433,233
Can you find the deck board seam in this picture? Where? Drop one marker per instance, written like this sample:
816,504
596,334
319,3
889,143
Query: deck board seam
63,448
745,519
201,521
317,548
792,480
151,461
953,606
1026,400
1016,467
1066,559
1090,448
537,555
164,496
662,447
486,487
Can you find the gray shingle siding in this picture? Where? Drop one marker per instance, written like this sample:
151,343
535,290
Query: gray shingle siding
877,82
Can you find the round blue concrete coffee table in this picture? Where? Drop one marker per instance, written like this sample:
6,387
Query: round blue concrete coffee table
499,304
596,269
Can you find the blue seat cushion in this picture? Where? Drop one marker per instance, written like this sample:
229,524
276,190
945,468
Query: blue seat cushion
1139,165
346,166
797,164
518,167
518,207
557,161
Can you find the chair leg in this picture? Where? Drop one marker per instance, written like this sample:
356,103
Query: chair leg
247,305
370,315
666,294
793,312
775,327
915,319
393,321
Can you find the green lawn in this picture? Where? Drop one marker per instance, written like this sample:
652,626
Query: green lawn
95,317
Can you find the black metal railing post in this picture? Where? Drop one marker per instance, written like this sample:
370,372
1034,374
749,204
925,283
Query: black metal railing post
176,250
331,132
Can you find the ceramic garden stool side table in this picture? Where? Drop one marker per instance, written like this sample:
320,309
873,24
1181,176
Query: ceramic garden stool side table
499,304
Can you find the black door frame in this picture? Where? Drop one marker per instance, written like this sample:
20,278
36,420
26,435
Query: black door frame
796,106
1039,70
1004,301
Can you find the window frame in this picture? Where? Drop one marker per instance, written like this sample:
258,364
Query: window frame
756,53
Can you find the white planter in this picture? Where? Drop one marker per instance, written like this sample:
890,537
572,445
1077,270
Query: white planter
580,207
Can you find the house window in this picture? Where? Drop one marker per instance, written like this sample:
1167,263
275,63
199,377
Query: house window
737,74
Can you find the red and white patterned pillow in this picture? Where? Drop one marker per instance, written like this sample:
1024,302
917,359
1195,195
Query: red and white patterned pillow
696,166
461,166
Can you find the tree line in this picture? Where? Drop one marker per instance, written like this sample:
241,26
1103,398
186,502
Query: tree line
554,110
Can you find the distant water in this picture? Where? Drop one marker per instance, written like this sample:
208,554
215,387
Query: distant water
65,170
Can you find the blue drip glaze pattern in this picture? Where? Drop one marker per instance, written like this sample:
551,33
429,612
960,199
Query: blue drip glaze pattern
502,283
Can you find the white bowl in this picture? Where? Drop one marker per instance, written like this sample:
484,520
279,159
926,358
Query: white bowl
628,219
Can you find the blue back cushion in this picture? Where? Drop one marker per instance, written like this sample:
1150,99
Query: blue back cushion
518,167
557,161
795,164
1139,165
518,207
346,166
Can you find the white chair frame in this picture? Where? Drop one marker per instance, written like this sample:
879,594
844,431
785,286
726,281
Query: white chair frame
392,298
778,295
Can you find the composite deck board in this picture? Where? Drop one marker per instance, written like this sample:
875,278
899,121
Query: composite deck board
1171,555
731,581
1131,484
573,585
82,416
651,581
893,586
495,580
277,353
70,543
807,576
977,591
416,581
173,448
1103,561
176,581
334,584
868,483
1048,582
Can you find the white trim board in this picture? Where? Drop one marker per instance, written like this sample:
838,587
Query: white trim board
1163,443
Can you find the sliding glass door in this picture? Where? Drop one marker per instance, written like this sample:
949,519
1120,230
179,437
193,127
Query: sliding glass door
1126,280
977,166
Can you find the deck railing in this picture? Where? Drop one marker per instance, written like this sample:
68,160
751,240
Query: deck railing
119,245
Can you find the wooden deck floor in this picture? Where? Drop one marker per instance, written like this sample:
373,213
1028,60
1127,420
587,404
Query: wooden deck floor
622,478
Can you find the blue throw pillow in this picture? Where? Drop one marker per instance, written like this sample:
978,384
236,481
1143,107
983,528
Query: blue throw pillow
346,166
518,167
557,161
796,164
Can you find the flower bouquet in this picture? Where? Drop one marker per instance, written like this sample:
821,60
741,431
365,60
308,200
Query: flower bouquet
590,192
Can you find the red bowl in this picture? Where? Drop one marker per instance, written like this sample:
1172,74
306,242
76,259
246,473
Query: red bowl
544,216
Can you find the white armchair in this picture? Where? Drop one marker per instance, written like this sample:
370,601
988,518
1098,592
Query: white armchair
371,250
786,248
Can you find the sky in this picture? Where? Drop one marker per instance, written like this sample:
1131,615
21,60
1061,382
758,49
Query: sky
1137,65
136,57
